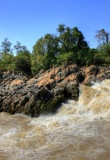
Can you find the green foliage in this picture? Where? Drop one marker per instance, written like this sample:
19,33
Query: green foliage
79,39
44,53
65,58
22,62
18,47
67,46
6,46
36,63
7,61
103,38
80,57
70,39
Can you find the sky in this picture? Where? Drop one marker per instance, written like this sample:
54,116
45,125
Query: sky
28,20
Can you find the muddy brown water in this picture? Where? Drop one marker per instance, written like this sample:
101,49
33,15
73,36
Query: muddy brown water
78,131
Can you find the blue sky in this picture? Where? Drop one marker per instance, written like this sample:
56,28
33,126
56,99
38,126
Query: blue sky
28,20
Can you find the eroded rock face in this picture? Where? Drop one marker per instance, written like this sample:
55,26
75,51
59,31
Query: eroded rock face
45,92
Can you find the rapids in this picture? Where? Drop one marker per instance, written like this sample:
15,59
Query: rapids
78,131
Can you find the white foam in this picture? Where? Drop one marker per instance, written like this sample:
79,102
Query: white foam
74,132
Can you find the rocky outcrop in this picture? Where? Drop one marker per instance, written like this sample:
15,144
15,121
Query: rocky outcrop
45,92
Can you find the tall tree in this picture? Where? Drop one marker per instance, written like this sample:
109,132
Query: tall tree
6,46
6,55
69,42
46,50
102,36
71,39
78,39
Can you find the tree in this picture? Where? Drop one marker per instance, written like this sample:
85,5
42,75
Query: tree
6,46
45,51
69,42
18,47
70,39
78,39
39,48
65,39
6,55
61,28
22,62
102,36
36,63
7,62
103,40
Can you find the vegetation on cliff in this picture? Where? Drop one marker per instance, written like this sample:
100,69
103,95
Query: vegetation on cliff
68,46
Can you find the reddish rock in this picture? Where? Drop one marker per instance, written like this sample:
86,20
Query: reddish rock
17,82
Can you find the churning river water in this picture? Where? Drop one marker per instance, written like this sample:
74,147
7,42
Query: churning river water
78,131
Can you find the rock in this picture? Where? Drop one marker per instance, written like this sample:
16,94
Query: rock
58,91
52,105
45,92
80,77
17,82
72,90
91,70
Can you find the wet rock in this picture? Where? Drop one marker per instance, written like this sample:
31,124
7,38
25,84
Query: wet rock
80,77
45,92
72,90
59,89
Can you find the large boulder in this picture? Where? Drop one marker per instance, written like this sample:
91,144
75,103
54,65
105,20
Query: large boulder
43,102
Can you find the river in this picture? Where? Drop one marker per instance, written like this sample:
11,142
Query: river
78,131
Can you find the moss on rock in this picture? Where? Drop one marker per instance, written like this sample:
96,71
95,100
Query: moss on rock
52,105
